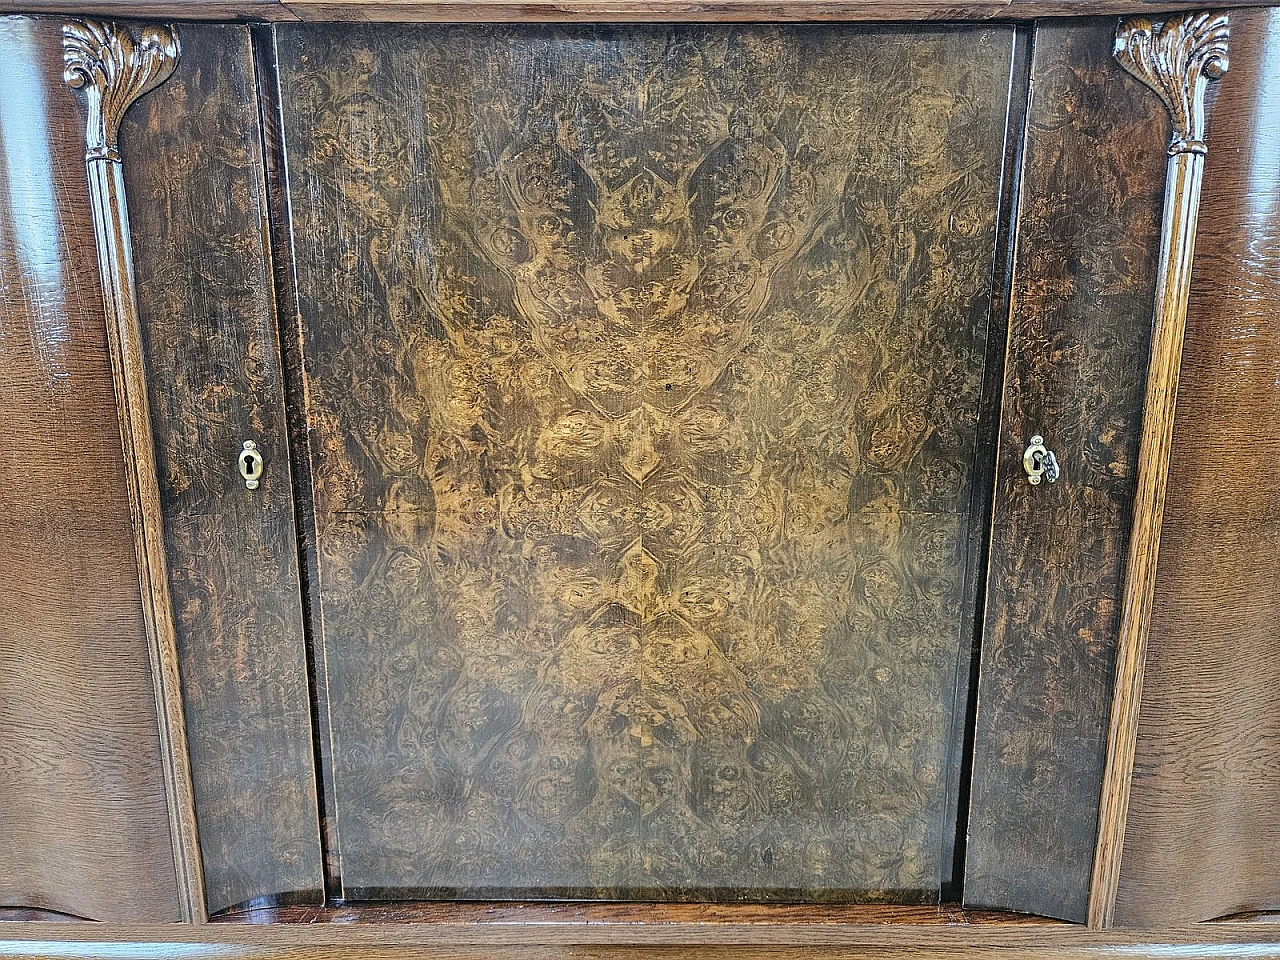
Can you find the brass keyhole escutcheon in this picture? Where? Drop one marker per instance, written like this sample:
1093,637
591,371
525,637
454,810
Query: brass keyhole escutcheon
250,464
1039,462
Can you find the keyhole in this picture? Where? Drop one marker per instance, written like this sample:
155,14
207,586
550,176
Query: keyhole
250,464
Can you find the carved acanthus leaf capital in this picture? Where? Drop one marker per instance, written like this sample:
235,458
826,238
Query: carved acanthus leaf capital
1177,59
114,69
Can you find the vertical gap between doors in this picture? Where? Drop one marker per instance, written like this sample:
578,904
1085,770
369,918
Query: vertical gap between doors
983,488
289,328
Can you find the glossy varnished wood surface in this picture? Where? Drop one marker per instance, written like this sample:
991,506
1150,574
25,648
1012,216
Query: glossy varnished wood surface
523,941
1177,61
1203,833
642,415
485,11
1084,283
83,822
112,67
195,178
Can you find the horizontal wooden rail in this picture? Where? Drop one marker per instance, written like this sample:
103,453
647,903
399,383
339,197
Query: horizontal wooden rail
514,940
482,11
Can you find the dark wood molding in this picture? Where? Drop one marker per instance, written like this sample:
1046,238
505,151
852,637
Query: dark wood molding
488,11
113,68
1176,59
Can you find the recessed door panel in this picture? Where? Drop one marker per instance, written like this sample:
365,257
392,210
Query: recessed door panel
643,370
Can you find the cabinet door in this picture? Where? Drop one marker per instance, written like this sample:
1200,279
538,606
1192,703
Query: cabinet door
1084,274
197,203
643,371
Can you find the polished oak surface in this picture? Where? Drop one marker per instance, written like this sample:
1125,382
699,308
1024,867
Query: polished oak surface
198,210
83,823
1203,833
676,941
1083,293
642,406
1177,60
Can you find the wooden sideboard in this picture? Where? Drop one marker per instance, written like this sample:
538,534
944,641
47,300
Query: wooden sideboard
453,465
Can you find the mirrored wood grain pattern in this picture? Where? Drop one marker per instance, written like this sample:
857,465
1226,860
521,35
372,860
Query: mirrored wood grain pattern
643,369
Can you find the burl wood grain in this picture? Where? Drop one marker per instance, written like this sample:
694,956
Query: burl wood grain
83,824
1203,832
643,368
1084,285
194,169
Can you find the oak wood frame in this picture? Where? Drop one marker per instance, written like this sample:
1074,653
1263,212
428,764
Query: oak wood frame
113,68
1175,58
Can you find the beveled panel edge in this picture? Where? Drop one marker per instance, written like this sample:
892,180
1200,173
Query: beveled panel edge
113,68
1176,59
570,11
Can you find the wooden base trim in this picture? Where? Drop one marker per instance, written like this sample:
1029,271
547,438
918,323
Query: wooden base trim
526,941
1176,59
580,913
113,69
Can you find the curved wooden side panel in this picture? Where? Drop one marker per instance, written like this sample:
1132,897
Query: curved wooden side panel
84,829
1176,59
1203,833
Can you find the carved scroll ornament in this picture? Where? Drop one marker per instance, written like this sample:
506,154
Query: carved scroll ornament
113,68
1176,59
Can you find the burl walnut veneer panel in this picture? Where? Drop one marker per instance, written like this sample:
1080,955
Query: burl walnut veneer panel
83,824
643,369
198,208
1088,235
1203,834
